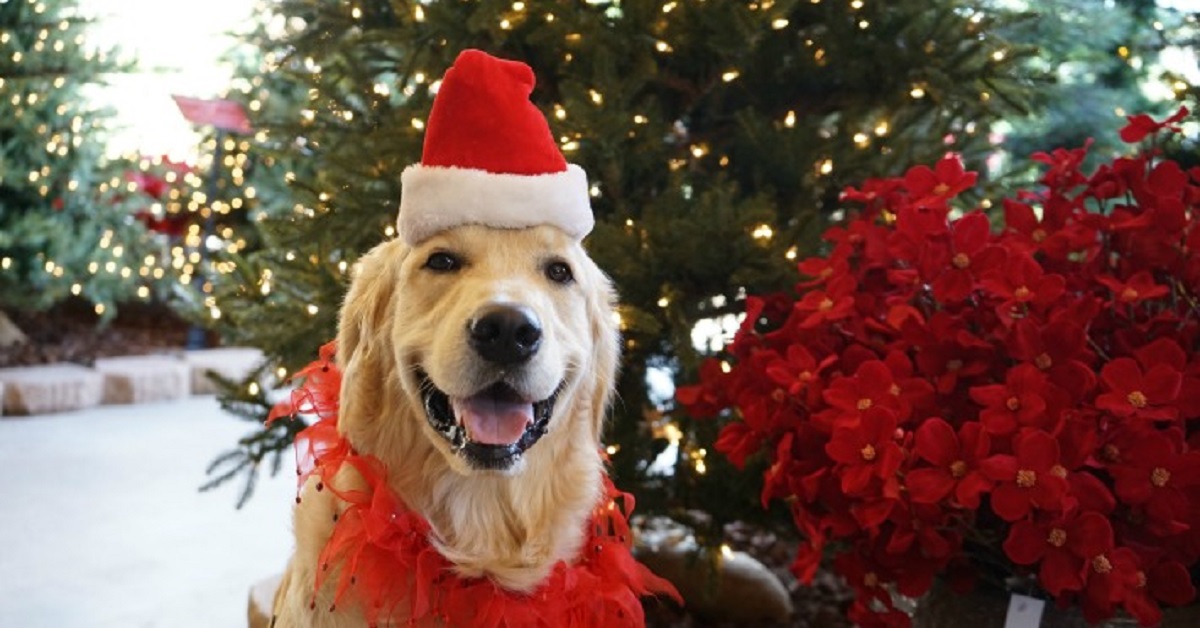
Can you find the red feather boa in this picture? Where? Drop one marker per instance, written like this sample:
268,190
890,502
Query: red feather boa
377,537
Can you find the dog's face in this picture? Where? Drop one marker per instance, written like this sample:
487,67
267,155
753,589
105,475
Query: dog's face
496,332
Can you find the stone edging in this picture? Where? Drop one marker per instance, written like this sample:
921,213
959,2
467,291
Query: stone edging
52,388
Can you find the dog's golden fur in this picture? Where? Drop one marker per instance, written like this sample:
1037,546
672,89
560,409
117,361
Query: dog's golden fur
400,318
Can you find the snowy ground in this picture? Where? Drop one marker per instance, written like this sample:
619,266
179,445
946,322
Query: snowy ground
101,525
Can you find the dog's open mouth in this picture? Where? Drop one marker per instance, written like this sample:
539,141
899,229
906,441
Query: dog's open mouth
491,428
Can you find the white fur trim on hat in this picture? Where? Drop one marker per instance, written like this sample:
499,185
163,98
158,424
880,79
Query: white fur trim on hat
435,198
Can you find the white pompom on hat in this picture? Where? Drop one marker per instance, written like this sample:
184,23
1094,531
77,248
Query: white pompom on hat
489,158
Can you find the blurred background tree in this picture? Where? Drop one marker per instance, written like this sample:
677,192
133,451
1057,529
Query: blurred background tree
68,224
1106,59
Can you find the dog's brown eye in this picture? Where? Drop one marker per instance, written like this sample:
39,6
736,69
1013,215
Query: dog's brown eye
559,272
443,262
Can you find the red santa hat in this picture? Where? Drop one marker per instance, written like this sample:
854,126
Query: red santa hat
489,158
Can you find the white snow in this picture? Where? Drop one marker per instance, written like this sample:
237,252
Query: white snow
102,526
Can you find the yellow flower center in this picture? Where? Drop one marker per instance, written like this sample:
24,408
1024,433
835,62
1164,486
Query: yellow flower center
868,452
958,469
1057,538
1101,564
871,579
1111,453
894,390
826,304
864,403
1137,399
1021,293
1129,295
1059,471
1013,404
1038,235
1043,361
961,261
1026,478
1159,477
941,189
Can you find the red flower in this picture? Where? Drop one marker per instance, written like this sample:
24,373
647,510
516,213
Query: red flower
866,451
1141,125
834,303
932,187
920,530
956,464
1061,547
738,441
1134,393
1110,577
1020,219
1032,478
1140,287
1063,173
1057,349
1019,401
798,468
1168,582
707,398
874,192
870,582
969,257
1022,283
872,386
812,551
821,269
1152,473
946,351
800,373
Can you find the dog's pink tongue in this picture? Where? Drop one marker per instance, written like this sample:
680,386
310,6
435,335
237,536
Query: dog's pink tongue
492,422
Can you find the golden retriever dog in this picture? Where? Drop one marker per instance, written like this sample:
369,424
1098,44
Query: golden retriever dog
477,366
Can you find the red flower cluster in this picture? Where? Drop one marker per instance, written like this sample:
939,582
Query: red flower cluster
945,396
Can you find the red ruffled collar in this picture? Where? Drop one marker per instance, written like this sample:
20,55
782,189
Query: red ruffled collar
377,537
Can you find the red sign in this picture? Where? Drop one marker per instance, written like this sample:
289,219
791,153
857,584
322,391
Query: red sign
223,114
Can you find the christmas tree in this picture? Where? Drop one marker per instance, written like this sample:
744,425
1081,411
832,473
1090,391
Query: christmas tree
1103,57
67,224
717,137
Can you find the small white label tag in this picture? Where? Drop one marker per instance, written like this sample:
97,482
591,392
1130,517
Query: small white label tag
1024,612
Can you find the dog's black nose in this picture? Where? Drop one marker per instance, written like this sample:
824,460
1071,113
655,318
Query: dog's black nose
506,334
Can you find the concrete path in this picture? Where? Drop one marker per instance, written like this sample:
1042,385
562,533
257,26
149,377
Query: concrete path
101,525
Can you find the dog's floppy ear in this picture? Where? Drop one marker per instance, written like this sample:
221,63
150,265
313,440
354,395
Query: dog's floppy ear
363,327
606,349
